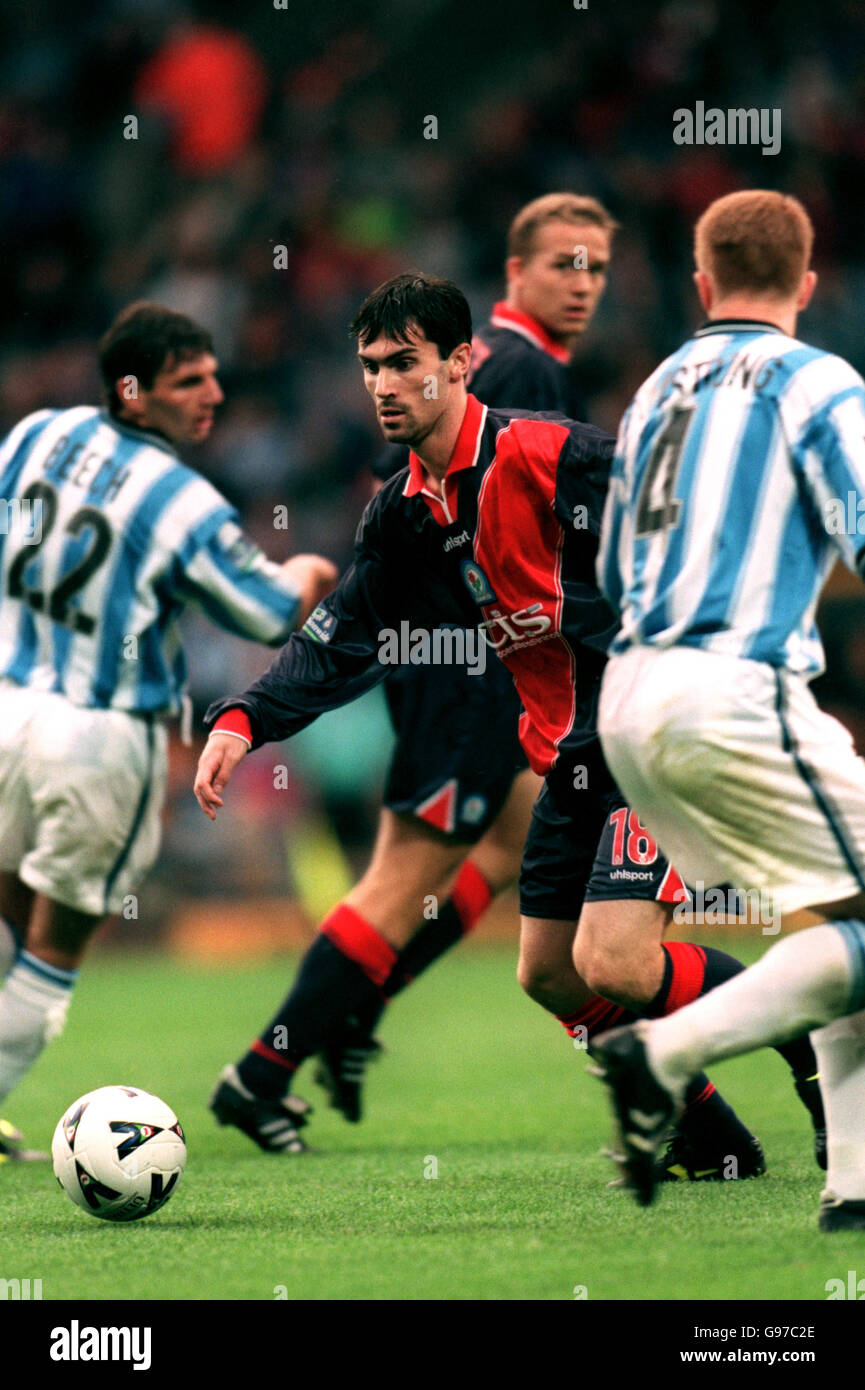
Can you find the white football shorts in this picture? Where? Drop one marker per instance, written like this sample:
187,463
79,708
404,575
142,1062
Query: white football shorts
81,793
739,775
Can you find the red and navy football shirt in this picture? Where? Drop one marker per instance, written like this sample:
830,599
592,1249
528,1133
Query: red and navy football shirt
508,546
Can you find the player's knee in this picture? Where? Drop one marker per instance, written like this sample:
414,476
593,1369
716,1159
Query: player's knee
540,979
607,972
594,967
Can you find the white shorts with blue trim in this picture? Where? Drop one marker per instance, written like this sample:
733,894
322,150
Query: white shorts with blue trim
739,775
81,793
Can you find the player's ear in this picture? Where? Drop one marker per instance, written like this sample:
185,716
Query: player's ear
461,358
704,289
128,392
513,269
806,290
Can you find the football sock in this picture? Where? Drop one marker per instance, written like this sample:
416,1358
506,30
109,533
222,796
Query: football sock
10,943
469,900
708,1120
341,974
803,982
593,1018
34,1000
688,972
709,1123
691,971
840,1049
470,897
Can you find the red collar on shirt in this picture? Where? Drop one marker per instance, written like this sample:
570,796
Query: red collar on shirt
465,454
506,316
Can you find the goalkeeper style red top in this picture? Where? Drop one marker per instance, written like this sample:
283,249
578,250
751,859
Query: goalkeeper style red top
509,547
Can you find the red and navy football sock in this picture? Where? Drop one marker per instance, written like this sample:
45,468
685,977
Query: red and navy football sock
596,1016
342,973
686,972
713,1121
690,971
470,897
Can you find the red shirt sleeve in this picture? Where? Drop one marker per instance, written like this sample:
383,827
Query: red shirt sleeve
234,721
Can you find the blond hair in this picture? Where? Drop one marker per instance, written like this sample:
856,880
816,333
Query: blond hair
555,207
755,242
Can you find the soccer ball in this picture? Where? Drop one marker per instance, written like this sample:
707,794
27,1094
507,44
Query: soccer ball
118,1153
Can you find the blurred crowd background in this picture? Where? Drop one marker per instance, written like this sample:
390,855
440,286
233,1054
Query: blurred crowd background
262,169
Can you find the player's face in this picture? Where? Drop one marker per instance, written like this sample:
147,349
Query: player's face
563,279
181,402
409,384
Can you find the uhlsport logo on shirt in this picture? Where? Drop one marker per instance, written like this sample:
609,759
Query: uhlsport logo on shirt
77,1343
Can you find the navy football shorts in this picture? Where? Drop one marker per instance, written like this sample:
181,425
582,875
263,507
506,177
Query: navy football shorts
457,751
585,844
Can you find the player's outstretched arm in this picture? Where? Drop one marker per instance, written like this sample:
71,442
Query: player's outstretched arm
222,753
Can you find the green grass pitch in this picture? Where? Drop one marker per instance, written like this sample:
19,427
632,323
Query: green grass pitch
476,1078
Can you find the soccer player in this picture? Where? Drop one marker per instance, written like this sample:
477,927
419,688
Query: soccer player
738,479
111,536
527,492
459,792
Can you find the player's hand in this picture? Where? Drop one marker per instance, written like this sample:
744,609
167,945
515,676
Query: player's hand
314,576
222,753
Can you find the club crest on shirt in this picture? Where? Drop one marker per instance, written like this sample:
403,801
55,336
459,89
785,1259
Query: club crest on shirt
477,582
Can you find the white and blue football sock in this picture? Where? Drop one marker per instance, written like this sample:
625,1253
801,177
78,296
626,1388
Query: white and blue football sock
34,1001
840,1049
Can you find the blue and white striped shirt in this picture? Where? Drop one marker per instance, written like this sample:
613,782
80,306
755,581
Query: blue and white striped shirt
104,537
739,477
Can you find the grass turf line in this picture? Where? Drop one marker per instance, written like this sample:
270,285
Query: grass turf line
475,1077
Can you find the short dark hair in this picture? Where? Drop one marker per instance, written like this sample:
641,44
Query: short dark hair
437,307
144,339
